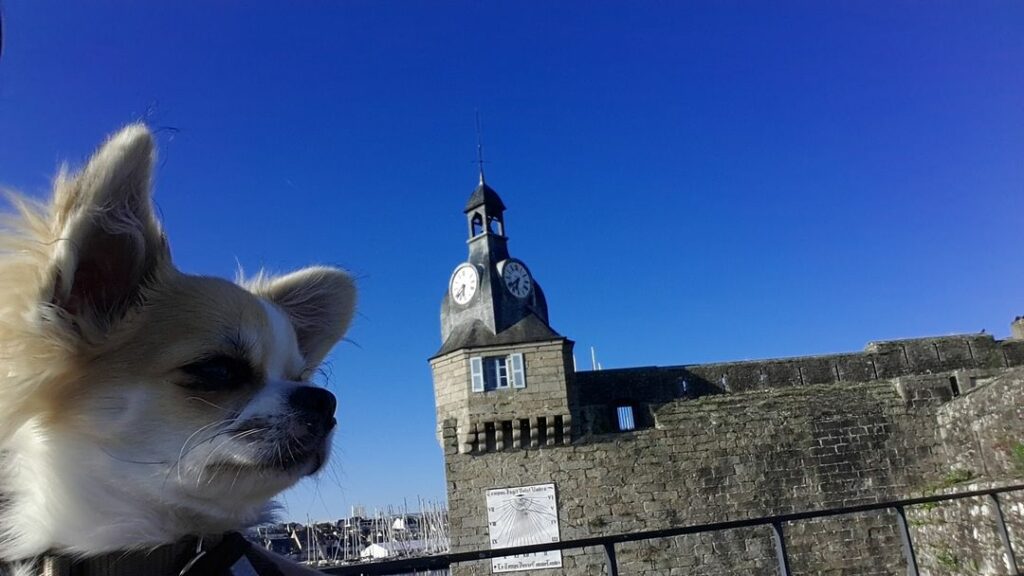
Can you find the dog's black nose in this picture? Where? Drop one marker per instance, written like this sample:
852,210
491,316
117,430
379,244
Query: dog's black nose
315,404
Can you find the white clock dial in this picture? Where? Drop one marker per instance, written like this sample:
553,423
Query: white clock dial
464,284
517,279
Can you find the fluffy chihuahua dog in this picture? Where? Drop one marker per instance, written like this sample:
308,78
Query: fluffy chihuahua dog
140,404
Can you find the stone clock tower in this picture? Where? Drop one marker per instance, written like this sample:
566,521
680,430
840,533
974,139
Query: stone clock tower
502,375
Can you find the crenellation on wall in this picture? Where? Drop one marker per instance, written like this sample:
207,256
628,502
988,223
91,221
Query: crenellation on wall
955,353
890,362
921,356
817,370
1013,352
855,368
987,352
883,360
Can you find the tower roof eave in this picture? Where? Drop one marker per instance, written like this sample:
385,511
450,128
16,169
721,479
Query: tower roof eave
477,335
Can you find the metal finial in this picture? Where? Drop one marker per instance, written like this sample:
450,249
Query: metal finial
479,148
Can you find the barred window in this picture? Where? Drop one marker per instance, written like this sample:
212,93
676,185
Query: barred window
626,420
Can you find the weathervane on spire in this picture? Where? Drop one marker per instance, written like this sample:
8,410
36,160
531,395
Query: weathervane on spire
479,147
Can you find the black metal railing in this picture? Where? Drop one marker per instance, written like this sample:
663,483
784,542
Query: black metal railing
607,543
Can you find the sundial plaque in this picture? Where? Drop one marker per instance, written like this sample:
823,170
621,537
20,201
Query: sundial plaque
520,517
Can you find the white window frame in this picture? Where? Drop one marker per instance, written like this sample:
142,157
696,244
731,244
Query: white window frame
501,379
518,370
476,371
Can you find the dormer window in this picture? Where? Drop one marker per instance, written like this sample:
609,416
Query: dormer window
489,373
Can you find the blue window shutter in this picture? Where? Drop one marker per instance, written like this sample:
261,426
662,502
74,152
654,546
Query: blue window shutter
518,373
476,369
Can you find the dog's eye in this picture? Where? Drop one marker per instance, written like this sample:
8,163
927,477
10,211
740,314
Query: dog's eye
218,373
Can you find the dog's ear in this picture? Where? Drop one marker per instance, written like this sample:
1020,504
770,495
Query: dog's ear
319,301
109,242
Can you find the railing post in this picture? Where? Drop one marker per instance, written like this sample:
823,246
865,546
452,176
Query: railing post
609,556
908,545
780,549
1004,535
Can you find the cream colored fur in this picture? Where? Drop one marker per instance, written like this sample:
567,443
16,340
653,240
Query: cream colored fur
108,439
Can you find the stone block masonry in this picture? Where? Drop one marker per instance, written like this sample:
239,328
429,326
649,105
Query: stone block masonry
538,415
739,440
982,439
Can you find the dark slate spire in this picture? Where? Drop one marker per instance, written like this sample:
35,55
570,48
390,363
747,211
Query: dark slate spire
485,196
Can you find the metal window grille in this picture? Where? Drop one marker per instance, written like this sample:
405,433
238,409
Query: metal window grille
626,421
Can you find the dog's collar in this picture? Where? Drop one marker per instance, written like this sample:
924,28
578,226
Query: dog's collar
226,555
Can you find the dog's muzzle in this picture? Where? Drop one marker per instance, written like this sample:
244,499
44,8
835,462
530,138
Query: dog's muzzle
314,411
312,421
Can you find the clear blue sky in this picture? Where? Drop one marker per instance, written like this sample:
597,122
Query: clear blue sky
689,182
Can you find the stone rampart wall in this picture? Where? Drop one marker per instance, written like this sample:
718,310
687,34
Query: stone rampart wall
967,356
982,436
797,440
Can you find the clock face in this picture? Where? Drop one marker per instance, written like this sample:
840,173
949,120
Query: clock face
464,284
517,279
